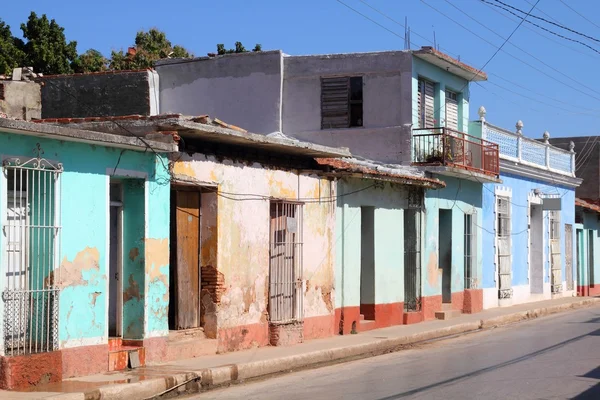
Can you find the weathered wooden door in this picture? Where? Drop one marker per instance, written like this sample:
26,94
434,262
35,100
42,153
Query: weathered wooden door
187,270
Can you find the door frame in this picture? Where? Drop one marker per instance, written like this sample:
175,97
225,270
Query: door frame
186,187
119,206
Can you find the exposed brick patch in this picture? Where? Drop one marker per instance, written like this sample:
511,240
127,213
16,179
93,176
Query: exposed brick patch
213,282
286,334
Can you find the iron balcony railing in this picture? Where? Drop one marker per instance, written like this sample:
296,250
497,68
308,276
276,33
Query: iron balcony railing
447,147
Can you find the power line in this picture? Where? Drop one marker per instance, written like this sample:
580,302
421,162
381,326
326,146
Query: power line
372,20
550,22
543,28
578,13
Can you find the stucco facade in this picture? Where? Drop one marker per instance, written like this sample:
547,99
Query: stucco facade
239,246
78,267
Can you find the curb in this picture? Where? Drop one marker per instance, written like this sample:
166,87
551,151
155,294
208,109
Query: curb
210,378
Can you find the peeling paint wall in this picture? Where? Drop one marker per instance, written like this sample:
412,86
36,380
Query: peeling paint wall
243,238
84,236
389,202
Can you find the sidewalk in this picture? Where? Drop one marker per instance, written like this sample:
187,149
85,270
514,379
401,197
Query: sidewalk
210,371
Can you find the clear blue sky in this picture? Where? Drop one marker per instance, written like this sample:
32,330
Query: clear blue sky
326,26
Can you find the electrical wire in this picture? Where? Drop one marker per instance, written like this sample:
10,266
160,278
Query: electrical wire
578,13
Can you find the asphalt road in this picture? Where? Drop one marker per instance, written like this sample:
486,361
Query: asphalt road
551,358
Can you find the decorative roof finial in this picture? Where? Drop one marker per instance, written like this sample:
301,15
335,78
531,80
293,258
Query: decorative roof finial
572,146
481,113
546,137
519,126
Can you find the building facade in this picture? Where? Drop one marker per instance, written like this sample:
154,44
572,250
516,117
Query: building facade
82,260
529,219
587,239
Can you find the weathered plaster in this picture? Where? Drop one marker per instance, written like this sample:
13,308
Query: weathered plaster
242,238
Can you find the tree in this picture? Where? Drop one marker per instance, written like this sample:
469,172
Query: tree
46,49
239,48
149,47
90,61
11,50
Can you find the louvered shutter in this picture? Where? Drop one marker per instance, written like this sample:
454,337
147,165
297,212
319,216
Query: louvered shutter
451,110
425,99
335,97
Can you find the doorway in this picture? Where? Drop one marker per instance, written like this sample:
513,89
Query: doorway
580,263
367,262
445,243
569,256
184,288
536,249
115,286
591,257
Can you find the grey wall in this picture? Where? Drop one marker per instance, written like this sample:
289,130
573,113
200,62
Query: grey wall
99,94
590,170
240,89
22,100
387,102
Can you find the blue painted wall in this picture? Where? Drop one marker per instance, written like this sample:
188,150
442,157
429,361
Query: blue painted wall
521,187
590,227
84,236
461,196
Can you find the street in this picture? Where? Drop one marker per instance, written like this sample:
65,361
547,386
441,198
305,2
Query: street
556,357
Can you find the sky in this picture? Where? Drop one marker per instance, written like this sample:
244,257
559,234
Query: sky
547,82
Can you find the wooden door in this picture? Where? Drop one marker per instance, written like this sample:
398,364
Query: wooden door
187,224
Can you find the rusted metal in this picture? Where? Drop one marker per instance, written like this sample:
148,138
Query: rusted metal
448,147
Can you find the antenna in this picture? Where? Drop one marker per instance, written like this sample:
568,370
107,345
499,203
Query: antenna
406,34
434,41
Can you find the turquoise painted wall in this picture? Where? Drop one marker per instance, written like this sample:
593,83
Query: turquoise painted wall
443,80
461,196
591,227
389,241
84,236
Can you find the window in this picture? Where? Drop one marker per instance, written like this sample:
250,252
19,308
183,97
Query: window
425,100
285,266
31,230
470,244
451,110
503,237
341,102
2,91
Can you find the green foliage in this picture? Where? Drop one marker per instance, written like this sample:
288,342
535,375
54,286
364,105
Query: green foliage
46,49
11,50
90,61
239,48
150,47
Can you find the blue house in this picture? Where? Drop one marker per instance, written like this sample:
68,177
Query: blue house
528,219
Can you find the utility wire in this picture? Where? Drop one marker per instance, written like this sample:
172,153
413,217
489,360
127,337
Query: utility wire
550,22
543,28
578,13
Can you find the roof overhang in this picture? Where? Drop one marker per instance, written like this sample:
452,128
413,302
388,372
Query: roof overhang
188,129
450,64
461,173
70,134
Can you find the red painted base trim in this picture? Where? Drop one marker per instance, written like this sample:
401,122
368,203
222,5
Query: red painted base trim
345,317
413,317
583,291
21,372
319,327
473,301
430,305
84,360
595,290
388,314
242,337
156,349
458,301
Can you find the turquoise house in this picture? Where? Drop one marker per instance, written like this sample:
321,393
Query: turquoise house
84,250
443,145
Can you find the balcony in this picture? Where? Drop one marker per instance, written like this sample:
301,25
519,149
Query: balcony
455,153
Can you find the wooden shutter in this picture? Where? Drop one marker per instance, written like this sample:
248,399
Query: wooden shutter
425,101
335,103
451,110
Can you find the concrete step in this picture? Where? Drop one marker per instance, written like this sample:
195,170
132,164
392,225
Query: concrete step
447,314
446,306
362,317
366,325
126,357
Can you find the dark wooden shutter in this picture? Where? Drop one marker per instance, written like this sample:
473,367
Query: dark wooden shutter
335,99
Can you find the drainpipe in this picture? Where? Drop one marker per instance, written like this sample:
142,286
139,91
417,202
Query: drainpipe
343,256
